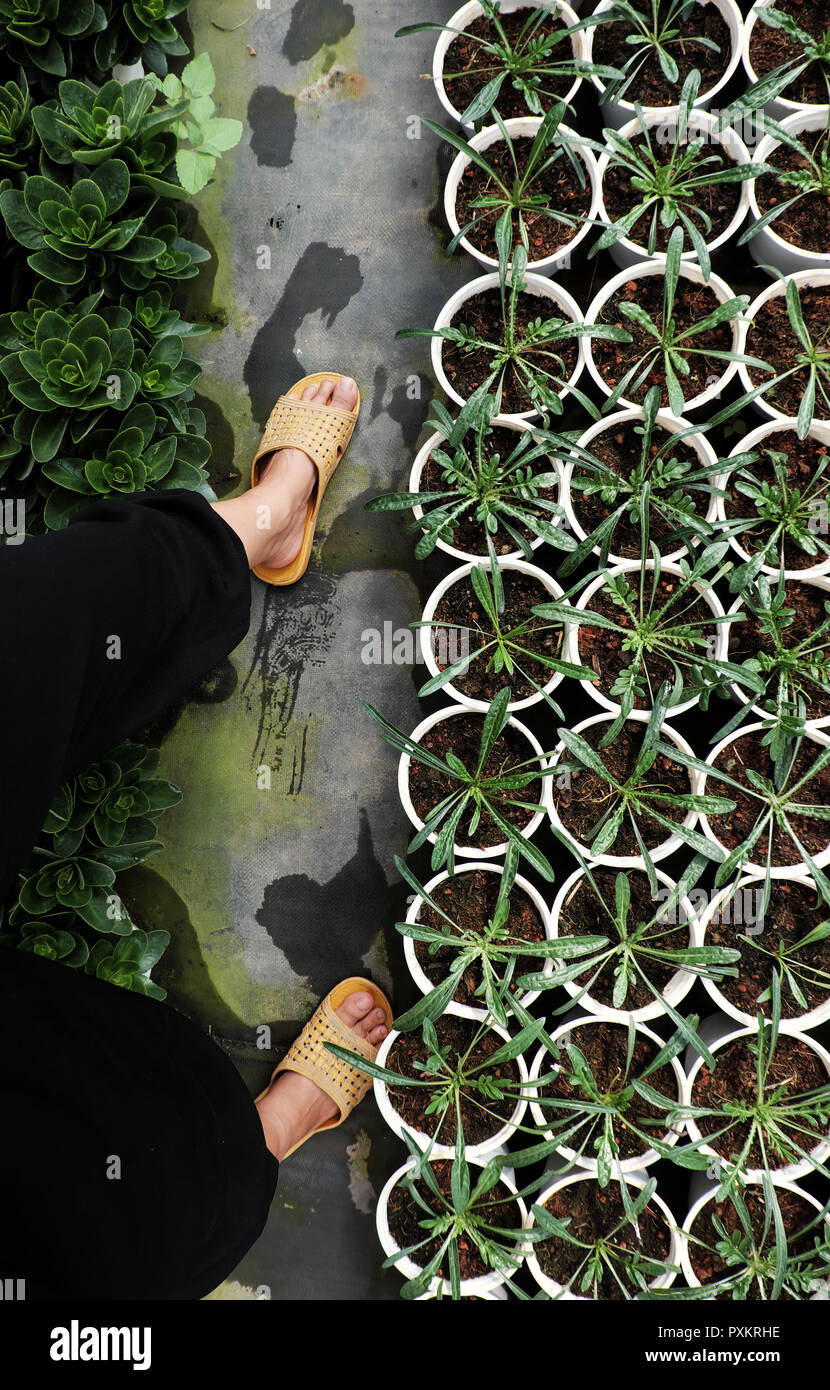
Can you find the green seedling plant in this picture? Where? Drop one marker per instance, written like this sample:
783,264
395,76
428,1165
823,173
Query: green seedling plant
501,649
589,1121
813,52
811,354
661,28
532,63
811,176
765,1263
777,797
612,1255
639,794
786,1124
663,627
662,484
531,355
475,789
514,204
490,948
668,180
670,346
503,490
635,946
781,513
792,670
788,957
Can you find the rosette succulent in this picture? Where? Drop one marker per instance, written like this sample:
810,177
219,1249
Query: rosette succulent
133,459
40,33
77,366
53,941
17,134
128,961
89,126
78,233
112,803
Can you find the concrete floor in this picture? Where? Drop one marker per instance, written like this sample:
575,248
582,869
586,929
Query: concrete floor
277,876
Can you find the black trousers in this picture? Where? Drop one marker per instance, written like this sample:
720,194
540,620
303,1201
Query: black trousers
90,1073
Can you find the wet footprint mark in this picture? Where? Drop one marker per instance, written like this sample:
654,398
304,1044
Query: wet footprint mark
316,24
272,116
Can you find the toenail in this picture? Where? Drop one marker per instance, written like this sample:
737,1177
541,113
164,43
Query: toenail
347,383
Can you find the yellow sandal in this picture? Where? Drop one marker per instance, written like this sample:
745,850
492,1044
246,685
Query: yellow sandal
321,431
309,1056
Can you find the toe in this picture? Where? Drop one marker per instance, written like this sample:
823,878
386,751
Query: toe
344,395
376,1035
325,391
355,1009
312,392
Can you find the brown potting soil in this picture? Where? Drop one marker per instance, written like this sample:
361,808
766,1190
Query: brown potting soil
581,915
746,640
619,449
474,68
770,48
735,826
462,736
602,649
405,1216
803,457
605,1049
580,806
793,911
651,87
521,593
797,1213
470,901
481,1117
733,1080
558,183
692,303
470,535
770,337
807,223
719,201
483,314
595,1211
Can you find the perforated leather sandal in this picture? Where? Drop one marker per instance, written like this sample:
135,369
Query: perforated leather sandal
309,1055
321,431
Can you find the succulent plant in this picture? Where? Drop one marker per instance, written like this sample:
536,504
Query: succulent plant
18,138
54,942
111,803
128,961
36,31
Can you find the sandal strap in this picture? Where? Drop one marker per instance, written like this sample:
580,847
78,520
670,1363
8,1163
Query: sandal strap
321,431
309,1056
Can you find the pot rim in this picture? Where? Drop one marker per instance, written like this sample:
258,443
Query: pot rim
808,118
792,108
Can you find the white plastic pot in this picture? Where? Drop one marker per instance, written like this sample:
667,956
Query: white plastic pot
767,248
704,1199
465,851
521,885
483,1150
438,441
627,418
805,279
484,1284
782,870
561,305
624,861
819,582
818,431
675,989
465,16
543,1062
754,885
721,1034
425,634
626,252
689,270
720,630
780,107
522,128
555,1290
616,113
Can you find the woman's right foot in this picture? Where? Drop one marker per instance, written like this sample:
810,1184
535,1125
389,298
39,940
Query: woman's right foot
293,1107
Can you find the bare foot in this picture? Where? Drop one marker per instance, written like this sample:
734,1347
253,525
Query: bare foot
293,1106
288,479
